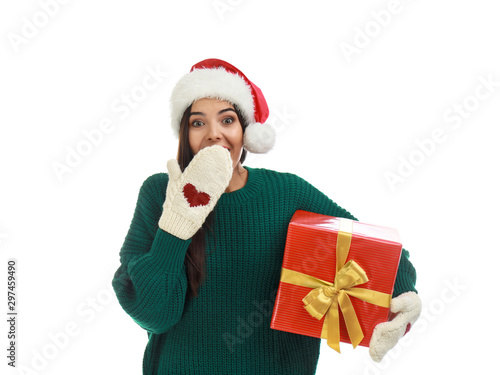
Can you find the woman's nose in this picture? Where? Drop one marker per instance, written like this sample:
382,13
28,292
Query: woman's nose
214,131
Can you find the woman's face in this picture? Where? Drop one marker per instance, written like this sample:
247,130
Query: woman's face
215,122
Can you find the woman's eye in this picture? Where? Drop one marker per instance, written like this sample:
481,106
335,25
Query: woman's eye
228,120
197,123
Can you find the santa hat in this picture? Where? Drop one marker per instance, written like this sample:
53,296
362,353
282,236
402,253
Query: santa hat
214,78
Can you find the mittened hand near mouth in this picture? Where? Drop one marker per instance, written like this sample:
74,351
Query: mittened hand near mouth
191,195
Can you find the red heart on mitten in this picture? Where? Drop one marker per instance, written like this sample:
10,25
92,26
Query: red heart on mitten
194,197
408,327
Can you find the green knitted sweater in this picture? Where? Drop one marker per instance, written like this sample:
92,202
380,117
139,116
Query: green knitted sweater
226,329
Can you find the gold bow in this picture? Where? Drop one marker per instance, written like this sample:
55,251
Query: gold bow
327,297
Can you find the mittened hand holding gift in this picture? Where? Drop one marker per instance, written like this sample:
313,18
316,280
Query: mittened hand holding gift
192,194
385,336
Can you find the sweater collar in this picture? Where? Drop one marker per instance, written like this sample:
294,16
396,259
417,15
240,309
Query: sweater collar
254,184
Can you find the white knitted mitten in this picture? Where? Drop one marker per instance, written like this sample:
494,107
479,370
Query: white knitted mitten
385,336
192,194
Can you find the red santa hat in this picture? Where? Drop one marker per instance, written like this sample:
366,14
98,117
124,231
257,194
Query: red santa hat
214,78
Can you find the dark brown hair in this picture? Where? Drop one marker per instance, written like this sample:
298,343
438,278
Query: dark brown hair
194,261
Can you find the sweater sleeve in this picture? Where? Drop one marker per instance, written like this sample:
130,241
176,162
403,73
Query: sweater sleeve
151,283
312,200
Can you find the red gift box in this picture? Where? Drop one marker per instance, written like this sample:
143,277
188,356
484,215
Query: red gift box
315,298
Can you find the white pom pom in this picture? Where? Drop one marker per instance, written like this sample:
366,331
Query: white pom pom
259,138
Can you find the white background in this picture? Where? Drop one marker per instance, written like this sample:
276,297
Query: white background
344,121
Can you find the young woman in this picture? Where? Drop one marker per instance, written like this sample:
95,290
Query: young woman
201,263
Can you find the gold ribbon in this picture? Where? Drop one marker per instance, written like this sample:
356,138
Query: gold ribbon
326,297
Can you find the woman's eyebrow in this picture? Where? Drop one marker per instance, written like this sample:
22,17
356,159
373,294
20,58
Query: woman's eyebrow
225,110
203,114
197,113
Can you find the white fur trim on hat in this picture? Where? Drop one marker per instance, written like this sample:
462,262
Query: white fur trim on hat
210,83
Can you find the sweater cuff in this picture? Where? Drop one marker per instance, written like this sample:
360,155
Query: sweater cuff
168,251
403,285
